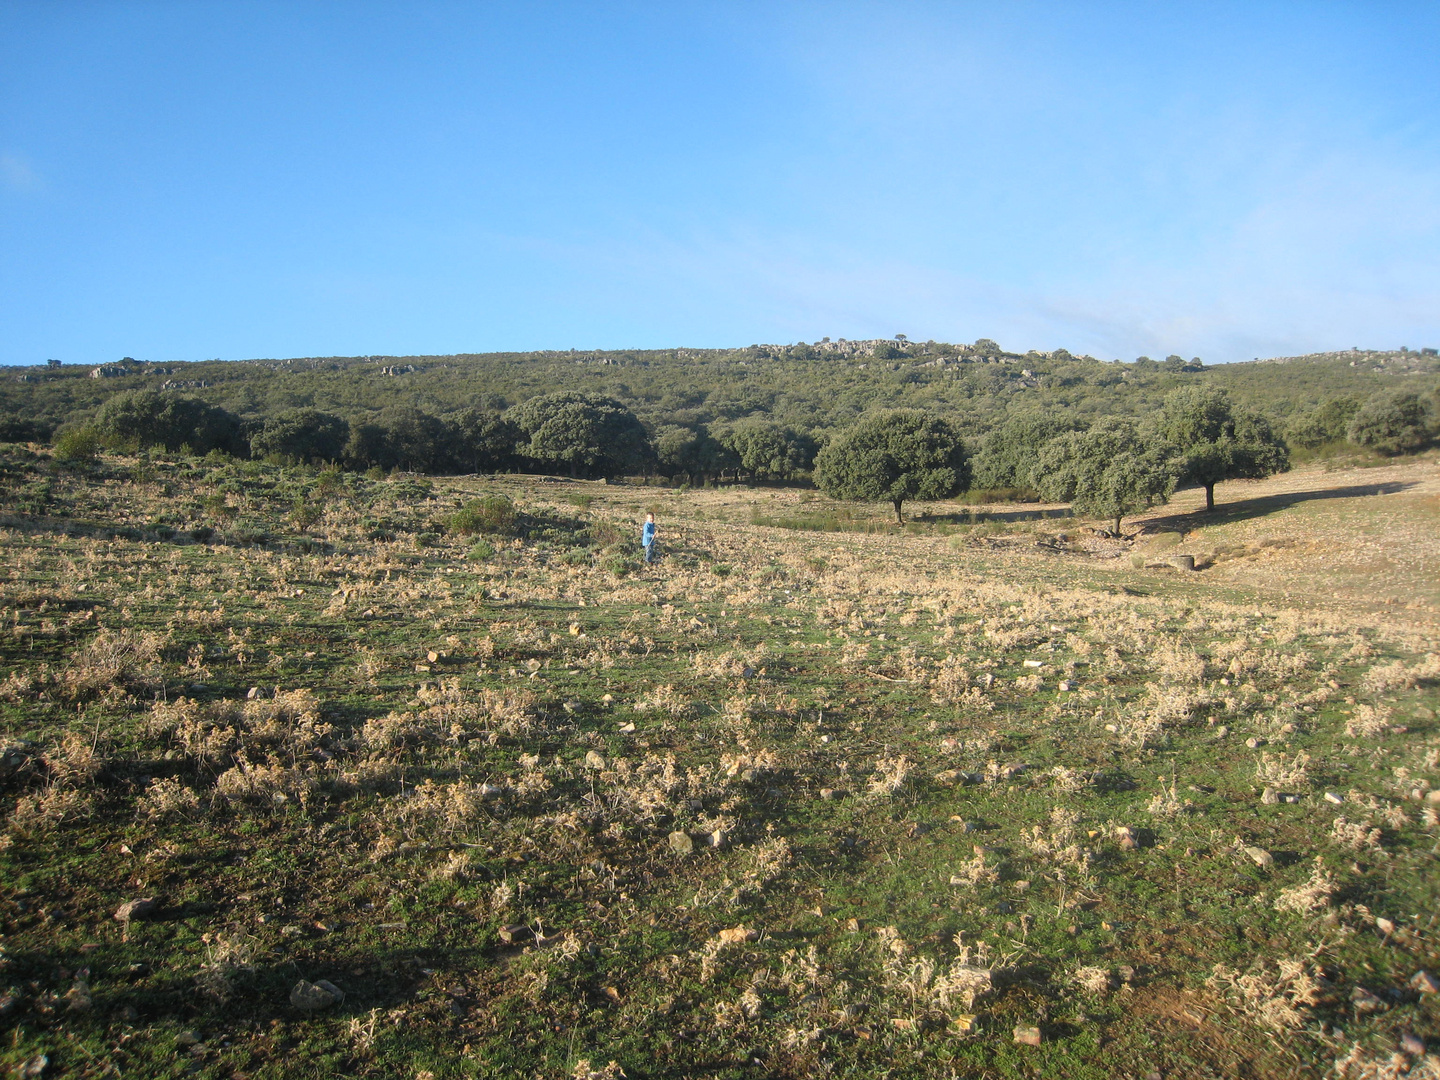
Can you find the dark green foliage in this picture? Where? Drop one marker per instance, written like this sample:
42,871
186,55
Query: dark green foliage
1326,424
769,451
894,456
1395,422
414,440
686,451
494,514
583,434
1218,442
1113,469
484,442
138,419
302,435
1007,452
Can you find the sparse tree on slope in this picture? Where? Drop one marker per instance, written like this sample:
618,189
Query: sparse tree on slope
1218,442
1111,470
894,457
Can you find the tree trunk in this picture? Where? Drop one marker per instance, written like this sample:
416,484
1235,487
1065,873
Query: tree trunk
898,518
1209,496
1117,525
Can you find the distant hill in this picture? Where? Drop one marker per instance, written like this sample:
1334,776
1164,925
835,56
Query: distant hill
812,387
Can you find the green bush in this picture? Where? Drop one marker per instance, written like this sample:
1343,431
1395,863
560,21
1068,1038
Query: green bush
77,445
494,515
482,549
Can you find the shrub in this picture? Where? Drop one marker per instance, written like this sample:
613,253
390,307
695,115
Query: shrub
494,515
483,549
77,445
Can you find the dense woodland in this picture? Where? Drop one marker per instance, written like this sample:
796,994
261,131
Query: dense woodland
759,412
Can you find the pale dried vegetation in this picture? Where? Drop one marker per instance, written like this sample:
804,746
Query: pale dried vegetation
720,749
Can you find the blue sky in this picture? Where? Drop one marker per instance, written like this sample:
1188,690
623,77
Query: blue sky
187,180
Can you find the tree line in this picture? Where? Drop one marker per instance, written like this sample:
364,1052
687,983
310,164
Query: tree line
1105,467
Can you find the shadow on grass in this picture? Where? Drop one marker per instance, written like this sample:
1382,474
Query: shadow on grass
1247,509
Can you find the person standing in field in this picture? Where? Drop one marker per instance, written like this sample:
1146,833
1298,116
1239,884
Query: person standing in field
647,538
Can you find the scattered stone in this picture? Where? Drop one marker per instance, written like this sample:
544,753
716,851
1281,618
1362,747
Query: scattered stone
135,909
717,838
311,997
594,759
1425,983
1034,663
571,706
1261,856
514,932
1065,686
1289,798
1385,926
1027,1035
738,935
1269,797
78,997
827,793
1334,797
252,693
680,842
1254,743
1364,1001
191,1037
627,728
1433,796
34,1066
129,1014
1221,731
1412,1044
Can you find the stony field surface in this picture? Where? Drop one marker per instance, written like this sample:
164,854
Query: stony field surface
299,781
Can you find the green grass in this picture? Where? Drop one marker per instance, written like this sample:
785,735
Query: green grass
757,688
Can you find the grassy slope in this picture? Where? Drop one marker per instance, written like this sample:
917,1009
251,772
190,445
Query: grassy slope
906,811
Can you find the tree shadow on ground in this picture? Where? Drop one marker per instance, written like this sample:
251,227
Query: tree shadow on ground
1247,509
975,517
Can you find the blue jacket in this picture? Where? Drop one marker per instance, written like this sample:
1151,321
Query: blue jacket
647,534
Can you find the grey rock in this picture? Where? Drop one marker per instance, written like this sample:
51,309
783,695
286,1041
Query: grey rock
680,843
135,909
1412,1044
1260,856
311,997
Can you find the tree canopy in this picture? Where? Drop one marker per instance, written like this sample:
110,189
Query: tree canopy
1393,423
585,434
894,456
302,434
138,419
1218,442
1108,471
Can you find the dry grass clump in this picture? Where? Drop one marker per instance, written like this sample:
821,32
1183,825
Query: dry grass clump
112,659
1367,721
1280,998
930,985
1280,771
1311,895
1355,835
1388,678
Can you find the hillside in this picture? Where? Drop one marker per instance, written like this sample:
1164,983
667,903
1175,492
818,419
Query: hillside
813,388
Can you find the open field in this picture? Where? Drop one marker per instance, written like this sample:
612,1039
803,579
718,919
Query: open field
977,797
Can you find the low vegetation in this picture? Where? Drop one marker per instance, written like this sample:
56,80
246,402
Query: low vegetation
445,783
